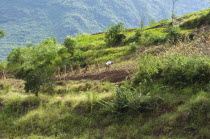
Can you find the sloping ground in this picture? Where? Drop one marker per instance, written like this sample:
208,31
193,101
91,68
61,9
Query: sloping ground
178,113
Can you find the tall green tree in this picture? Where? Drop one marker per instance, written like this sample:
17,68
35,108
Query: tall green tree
41,67
40,77
114,36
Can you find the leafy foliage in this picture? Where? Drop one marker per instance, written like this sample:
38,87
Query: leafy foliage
130,99
114,36
135,38
37,64
173,34
152,22
174,70
3,65
70,44
40,77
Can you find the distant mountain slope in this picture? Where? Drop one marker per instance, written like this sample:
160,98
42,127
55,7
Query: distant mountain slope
34,20
29,20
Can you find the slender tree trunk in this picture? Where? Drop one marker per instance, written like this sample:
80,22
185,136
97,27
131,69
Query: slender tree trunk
172,14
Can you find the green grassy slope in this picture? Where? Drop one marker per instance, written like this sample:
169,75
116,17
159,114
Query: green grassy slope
95,49
94,109
168,96
92,45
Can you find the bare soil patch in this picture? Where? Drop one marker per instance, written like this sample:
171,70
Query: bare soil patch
113,76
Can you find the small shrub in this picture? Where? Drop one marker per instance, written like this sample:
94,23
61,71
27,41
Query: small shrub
6,88
135,38
173,34
128,99
92,100
150,66
152,22
133,47
156,40
70,44
191,36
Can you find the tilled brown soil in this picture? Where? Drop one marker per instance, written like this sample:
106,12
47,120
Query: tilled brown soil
112,76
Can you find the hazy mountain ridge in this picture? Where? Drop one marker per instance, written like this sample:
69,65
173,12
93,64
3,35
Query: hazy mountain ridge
29,20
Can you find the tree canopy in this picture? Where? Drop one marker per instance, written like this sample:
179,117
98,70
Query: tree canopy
37,64
114,36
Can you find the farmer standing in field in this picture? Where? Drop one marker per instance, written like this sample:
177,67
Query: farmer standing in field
108,64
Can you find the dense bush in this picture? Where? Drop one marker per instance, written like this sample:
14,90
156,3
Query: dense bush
113,36
182,70
134,38
78,57
3,65
174,70
156,40
174,34
40,77
16,60
70,44
133,47
37,64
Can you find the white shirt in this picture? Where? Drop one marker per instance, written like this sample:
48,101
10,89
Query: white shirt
108,63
